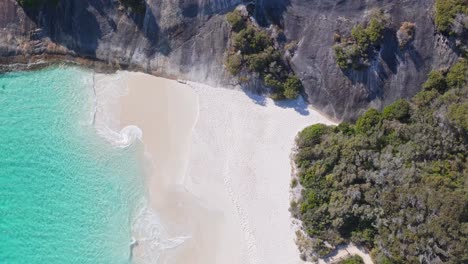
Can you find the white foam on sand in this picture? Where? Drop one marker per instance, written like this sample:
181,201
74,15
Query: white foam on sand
108,90
218,171
150,237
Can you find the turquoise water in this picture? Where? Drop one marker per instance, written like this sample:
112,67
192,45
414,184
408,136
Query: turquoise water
66,195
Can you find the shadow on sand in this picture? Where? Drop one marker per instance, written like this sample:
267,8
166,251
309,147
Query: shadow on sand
299,105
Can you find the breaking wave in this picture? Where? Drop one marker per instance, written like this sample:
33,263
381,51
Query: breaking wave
151,239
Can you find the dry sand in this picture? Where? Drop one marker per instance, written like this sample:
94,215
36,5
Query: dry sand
218,169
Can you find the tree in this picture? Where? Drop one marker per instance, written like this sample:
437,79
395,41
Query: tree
399,110
359,34
352,260
292,87
397,188
364,41
312,134
253,51
458,114
458,74
234,63
236,20
341,57
368,122
445,12
374,30
436,81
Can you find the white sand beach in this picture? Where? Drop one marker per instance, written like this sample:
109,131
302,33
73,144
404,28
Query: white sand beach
218,169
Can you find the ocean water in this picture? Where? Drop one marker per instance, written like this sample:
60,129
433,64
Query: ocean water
66,194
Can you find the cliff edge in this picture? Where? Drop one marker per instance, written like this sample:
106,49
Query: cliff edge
188,39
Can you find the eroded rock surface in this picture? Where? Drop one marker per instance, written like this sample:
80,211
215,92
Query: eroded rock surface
187,39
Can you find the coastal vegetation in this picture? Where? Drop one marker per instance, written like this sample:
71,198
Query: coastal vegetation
352,260
253,52
445,13
355,50
395,181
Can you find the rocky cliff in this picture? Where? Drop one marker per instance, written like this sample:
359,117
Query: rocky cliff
188,38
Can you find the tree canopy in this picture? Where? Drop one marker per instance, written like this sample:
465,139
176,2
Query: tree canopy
254,52
395,182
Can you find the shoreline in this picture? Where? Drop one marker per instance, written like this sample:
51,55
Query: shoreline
217,169
40,61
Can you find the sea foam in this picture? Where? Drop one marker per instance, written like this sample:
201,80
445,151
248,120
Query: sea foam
107,90
151,239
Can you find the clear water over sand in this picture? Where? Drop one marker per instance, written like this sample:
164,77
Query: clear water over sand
66,194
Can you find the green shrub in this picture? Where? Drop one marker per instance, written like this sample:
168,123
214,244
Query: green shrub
341,57
364,40
425,97
359,34
312,135
345,128
292,87
458,115
435,80
374,30
234,63
294,183
236,20
446,11
259,62
271,81
458,74
368,122
399,110
252,50
251,40
352,260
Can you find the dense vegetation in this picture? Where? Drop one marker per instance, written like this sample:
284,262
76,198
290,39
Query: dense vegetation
253,51
352,260
446,12
354,51
396,181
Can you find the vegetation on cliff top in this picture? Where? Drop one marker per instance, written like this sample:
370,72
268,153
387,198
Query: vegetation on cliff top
396,181
446,12
253,52
355,51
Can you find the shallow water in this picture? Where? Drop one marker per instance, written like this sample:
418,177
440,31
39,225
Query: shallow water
66,194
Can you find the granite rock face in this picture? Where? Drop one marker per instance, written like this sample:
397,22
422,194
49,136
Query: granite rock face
177,38
187,39
394,73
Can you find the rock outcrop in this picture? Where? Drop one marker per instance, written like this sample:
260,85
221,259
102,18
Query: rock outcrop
188,38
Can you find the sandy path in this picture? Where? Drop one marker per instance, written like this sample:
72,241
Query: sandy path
345,251
218,169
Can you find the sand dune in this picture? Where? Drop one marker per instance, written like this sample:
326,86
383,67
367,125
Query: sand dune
218,169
